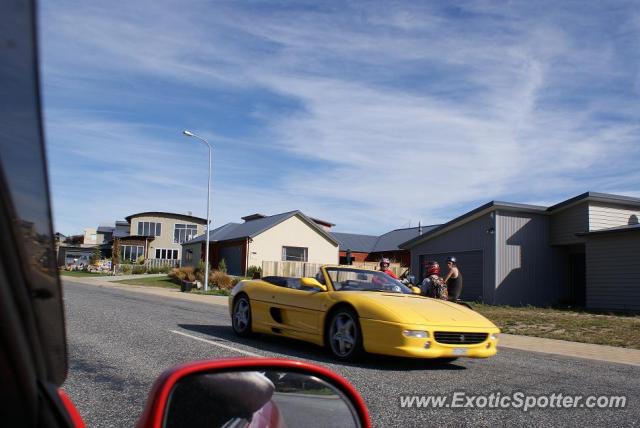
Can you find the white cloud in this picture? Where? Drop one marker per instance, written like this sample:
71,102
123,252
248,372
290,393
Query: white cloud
407,112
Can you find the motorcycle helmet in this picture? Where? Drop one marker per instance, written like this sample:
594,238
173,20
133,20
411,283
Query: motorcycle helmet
452,259
385,261
432,268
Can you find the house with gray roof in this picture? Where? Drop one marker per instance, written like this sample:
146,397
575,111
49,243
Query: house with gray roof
583,251
372,248
289,236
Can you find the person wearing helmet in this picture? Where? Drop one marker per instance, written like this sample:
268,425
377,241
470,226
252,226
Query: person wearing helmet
453,279
384,267
433,285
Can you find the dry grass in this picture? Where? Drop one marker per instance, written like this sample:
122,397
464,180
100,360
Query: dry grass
564,324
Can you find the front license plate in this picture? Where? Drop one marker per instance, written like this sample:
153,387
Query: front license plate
459,351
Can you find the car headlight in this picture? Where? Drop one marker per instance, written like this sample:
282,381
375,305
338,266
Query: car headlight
494,336
416,333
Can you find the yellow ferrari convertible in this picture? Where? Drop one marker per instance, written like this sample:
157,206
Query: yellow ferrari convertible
351,311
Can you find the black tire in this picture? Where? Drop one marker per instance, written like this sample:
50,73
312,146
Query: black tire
241,324
343,335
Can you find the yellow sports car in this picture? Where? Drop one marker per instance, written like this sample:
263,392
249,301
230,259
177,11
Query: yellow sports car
351,310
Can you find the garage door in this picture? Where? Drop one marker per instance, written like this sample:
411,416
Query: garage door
233,258
470,264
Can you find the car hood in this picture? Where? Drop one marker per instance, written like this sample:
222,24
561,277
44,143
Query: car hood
411,309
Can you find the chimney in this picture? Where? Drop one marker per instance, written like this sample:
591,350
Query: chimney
251,217
419,228
189,213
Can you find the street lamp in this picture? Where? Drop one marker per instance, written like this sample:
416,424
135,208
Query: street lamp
206,261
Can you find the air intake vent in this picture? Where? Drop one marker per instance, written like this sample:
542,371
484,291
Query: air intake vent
455,338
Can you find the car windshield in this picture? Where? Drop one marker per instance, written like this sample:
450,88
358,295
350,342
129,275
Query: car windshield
364,280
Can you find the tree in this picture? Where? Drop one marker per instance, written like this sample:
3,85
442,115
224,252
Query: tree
95,257
222,266
115,252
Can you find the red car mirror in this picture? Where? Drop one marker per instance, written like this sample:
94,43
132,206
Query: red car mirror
253,393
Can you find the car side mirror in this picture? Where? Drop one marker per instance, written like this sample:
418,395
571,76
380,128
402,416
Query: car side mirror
253,392
312,283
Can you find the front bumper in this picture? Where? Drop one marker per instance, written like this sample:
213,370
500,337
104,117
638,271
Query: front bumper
386,338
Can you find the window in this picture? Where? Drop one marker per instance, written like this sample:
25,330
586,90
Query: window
148,228
294,254
184,232
189,256
166,254
131,252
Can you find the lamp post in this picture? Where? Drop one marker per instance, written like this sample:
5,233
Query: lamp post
206,261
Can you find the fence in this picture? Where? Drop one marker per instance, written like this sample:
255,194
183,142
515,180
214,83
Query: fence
304,269
159,263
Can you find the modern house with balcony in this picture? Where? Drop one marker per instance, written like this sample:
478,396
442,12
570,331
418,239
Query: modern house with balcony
157,235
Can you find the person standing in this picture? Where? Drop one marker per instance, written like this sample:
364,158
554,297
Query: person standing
453,279
433,285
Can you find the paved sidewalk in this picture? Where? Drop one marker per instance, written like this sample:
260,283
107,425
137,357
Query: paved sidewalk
526,343
610,354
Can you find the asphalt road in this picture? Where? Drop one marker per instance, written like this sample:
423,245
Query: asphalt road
120,341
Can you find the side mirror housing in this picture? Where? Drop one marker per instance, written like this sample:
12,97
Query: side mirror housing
251,392
312,283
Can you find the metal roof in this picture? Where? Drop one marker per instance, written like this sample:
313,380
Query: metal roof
249,229
391,241
106,229
355,242
194,219
598,197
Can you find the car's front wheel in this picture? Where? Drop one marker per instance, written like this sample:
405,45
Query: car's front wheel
241,318
344,335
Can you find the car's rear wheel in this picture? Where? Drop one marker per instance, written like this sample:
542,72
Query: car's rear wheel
344,335
241,318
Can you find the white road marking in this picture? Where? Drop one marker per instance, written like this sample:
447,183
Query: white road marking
220,345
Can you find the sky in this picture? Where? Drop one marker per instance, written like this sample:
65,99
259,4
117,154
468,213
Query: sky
371,115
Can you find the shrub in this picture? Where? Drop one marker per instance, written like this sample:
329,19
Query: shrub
199,272
222,266
125,268
182,274
252,270
95,257
220,280
138,269
140,260
159,269
177,275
